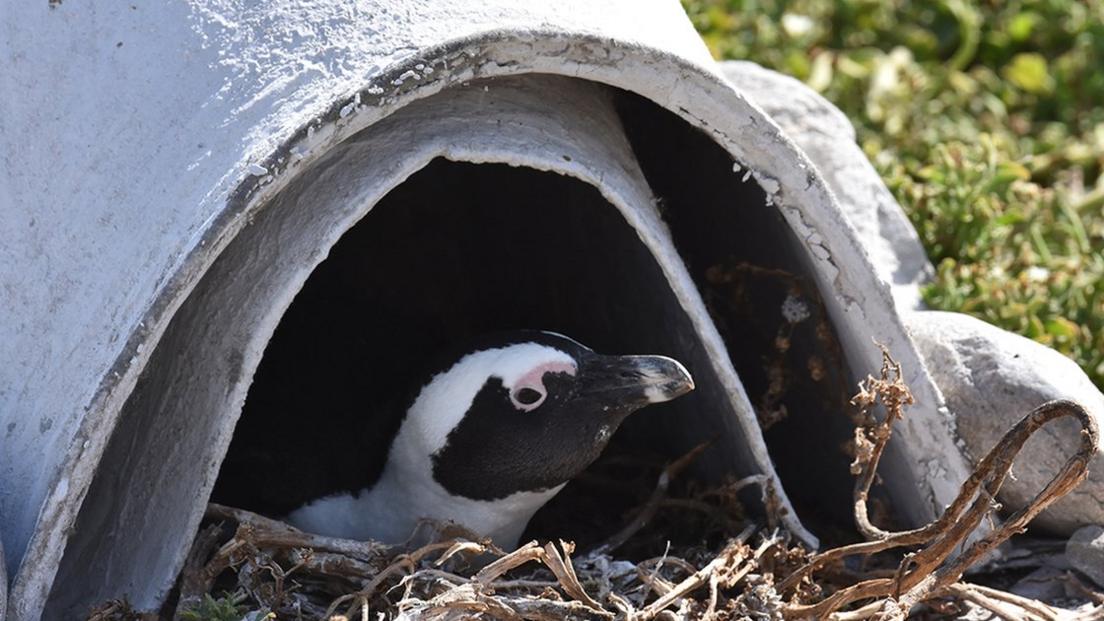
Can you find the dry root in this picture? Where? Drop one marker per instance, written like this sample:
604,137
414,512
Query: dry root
286,571
928,574
459,576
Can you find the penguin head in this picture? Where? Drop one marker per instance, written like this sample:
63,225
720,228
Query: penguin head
526,412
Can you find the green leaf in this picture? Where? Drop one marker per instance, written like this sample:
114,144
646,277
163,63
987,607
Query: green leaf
1029,71
1060,326
1020,27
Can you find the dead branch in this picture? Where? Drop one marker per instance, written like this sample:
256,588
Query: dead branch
565,572
870,442
729,566
403,564
1007,605
924,575
268,532
195,580
526,553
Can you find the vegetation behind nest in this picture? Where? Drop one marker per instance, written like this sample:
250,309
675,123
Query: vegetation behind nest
985,119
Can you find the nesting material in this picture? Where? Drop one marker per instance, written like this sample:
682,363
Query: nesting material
747,572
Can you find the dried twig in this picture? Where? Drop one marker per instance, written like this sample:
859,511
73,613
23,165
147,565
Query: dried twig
268,532
730,561
1007,605
195,579
526,553
924,575
565,572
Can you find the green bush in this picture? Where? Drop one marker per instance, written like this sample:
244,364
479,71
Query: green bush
986,120
229,607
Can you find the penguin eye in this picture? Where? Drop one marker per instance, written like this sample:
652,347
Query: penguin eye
526,396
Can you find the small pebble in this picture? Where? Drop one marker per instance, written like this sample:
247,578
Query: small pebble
1085,551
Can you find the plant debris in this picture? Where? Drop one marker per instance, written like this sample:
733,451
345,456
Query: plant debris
928,574
246,566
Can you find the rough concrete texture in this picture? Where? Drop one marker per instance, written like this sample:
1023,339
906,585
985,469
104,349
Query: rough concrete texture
828,138
177,125
115,204
3,585
990,379
1085,551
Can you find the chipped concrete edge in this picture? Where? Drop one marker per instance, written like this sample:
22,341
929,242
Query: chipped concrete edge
827,137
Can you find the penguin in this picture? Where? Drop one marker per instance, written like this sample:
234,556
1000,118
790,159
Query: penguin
491,433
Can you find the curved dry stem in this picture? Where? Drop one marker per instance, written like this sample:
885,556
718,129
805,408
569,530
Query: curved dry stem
998,462
929,576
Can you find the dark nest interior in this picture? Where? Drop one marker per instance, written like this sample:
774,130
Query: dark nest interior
462,249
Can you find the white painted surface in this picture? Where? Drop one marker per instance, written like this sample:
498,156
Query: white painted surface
118,164
140,142
828,138
3,584
991,379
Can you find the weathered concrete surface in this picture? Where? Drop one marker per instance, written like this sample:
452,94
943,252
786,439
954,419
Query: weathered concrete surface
1085,551
828,138
991,378
497,121
171,128
3,584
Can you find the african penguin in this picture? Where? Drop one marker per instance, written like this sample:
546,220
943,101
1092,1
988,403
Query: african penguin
494,434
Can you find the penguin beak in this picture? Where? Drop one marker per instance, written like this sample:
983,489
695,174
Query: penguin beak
634,381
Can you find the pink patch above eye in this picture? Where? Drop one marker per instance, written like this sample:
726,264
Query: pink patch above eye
534,379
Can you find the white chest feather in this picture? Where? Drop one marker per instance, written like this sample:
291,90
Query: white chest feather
390,511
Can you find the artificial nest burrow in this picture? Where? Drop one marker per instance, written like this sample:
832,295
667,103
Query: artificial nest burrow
727,568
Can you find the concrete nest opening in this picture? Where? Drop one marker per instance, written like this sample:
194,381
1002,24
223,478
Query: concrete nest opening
524,202
456,251
461,249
